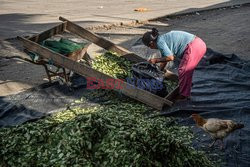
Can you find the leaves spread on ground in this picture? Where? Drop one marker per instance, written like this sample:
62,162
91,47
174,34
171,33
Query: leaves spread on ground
116,133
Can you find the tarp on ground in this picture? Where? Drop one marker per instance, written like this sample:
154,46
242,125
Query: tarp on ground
40,101
221,89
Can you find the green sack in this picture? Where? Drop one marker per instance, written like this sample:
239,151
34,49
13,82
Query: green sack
63,46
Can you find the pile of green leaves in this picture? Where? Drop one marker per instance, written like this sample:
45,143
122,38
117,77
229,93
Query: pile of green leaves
113,65
116,133
118,67
170,85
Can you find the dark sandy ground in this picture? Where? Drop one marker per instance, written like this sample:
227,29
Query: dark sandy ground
226,30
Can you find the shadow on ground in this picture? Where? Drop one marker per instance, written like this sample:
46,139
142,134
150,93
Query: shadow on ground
20,24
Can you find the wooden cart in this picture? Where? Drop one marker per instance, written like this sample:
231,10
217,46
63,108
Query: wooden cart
58,71
32,44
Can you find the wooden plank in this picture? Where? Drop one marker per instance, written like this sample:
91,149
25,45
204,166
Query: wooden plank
172,95
100,41
49,33
84,70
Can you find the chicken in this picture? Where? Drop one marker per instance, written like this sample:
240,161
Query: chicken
217,128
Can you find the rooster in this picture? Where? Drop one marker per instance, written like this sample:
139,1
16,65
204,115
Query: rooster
217,128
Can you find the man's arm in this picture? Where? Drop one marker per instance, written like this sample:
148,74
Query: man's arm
162,59
166,59
166,53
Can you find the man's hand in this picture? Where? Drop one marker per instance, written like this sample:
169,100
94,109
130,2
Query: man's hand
153,61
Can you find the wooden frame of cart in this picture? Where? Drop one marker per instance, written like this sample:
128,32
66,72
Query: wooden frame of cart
32,44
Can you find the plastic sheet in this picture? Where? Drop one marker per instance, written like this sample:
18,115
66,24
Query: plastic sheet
221,89
149,77
40,101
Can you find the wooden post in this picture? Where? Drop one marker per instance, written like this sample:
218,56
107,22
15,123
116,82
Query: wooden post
49,33
172,95
138,94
